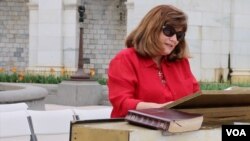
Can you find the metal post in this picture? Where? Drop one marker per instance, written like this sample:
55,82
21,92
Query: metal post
80,75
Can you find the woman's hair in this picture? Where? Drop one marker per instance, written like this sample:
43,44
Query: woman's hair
145,38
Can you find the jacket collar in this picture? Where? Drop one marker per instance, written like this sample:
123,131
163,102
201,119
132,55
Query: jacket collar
148,62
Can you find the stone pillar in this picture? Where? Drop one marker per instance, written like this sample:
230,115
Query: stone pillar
33,32
130,14
49,51
70,34
53,40
240,51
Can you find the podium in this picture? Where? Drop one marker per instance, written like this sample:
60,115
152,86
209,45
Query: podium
120,130
217,107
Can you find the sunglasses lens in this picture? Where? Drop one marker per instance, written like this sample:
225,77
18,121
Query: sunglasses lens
180,36
170,31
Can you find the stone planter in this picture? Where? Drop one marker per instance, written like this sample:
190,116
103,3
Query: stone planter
105,100
14,93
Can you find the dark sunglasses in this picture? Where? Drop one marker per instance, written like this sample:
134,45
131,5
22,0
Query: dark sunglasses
169,31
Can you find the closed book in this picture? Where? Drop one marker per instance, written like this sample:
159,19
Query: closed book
168,120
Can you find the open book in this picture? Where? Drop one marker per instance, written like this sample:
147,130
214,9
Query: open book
213,98
168,120
217,106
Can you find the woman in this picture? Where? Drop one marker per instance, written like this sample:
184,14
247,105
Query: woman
153,70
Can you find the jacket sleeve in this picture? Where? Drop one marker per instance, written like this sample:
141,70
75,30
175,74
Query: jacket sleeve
196,86
122,82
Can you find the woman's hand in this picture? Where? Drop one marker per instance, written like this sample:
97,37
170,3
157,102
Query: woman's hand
165,104
146,105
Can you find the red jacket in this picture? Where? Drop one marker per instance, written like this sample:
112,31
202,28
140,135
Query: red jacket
133,79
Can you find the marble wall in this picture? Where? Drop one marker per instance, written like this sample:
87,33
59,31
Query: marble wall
216,29
42,34
14,34
54,34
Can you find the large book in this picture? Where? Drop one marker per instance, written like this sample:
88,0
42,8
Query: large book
167,120
217,106
213,98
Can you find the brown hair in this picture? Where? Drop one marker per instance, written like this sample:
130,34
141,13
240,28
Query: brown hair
145,38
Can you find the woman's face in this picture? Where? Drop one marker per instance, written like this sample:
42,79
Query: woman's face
169,39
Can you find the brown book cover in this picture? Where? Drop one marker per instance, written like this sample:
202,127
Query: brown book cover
165,119
213,99
217,106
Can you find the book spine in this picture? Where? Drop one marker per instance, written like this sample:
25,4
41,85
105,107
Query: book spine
147,121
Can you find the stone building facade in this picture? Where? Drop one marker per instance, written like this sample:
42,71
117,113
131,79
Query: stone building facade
104,32
14,34
37,35
22,21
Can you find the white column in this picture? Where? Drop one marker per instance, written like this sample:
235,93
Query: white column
70,33
240,45
33,32
130,15
53,34
49,52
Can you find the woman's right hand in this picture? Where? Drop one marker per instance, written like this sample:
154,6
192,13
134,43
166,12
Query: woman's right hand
146,105
165,104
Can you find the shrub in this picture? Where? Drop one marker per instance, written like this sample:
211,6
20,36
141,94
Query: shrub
220,86
31,78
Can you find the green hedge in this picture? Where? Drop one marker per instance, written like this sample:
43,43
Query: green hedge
31,78
52,79
220,86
